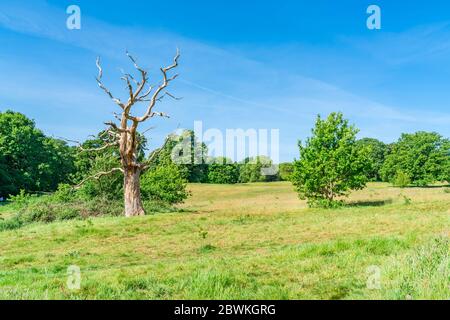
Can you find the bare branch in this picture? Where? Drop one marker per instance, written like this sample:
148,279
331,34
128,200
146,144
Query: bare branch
140,85
104,147
161,114
98,176
147,130
126,78
80,146
145,95
161,87
168,94
100,84
115,127
145,165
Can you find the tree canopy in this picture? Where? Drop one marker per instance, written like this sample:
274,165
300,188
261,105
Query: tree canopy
331,164
28,159
378,151
422,156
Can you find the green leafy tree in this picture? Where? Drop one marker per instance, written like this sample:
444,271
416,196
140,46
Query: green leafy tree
378,151
330,164
422,156
165,183
6,181
253,170
223,171
188,154
286,170
29,160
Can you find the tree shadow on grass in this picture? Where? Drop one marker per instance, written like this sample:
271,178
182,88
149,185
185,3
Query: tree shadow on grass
369,203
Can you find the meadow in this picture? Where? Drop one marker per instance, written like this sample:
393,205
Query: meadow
244,241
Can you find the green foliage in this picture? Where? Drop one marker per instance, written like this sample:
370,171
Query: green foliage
331,164
401,179
65,193
165,183
423,156
28,159
21,199
90,163
377,155
188,154
285,171
253,170
64,204
109,186
223,171
10,224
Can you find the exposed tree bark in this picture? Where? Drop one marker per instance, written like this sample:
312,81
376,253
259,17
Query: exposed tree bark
125,134
132,193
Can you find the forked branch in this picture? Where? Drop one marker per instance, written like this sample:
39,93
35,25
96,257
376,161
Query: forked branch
97,176
161,87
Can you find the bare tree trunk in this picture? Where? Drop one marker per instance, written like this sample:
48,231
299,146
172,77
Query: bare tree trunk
126,136
132,193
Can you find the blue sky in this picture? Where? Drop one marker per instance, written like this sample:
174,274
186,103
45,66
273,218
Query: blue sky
244,64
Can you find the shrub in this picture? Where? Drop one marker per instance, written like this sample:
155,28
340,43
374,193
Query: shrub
38,212
64,193
50,208
164,183
401,179
21,199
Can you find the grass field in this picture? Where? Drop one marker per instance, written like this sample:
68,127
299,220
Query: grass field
253,241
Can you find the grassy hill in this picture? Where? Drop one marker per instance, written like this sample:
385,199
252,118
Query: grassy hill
251,241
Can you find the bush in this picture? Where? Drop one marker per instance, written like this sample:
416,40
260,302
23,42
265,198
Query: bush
64,193
50,208
401,179
164,183
38,212
331,164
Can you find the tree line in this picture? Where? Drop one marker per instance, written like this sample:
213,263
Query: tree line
332,162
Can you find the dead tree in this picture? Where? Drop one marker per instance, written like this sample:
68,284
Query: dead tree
124,134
